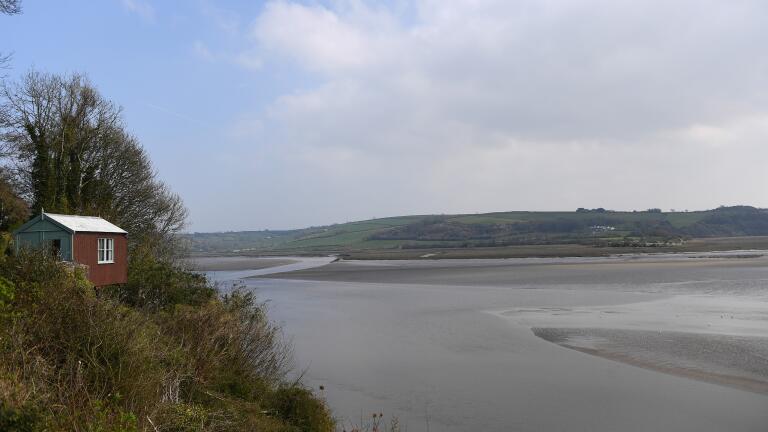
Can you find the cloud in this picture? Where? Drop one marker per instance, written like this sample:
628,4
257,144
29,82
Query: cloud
320,39
227,23
475,105
588,69
225,20
249,60
202,51
141,8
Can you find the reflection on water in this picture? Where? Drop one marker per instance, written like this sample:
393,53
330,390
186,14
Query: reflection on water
416,340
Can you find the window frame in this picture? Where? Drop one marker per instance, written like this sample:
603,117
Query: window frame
105,250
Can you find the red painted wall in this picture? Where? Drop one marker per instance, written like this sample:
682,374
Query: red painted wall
86,252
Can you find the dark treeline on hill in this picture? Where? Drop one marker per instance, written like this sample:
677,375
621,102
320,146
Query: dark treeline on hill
164,352
731,221
725,221
588,226
442,228
592,227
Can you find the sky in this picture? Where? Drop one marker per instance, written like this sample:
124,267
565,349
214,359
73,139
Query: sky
286,114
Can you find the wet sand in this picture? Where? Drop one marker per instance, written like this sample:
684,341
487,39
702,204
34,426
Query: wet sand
237,263
734,361
670,273
625,343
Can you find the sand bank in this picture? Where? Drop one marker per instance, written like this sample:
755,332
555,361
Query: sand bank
712,338
733,361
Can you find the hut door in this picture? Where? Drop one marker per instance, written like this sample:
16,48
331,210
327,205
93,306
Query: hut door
56,247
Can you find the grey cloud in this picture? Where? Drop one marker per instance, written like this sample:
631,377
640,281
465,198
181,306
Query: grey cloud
585,70
492,105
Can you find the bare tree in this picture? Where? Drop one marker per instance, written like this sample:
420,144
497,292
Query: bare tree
69,152
10,7
4,60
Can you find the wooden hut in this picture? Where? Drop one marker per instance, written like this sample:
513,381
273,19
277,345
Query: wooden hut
93,242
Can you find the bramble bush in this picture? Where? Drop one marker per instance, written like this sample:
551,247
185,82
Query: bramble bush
165,352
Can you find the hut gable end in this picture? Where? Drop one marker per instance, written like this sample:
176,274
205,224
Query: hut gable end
44,232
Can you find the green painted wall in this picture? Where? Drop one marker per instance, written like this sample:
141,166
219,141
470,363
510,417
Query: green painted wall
43,233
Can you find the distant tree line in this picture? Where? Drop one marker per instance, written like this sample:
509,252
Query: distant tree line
602,210
729,221
446,230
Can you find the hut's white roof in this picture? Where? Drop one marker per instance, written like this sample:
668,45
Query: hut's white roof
85,223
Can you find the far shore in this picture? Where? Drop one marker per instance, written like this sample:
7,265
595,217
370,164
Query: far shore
718,244
750,245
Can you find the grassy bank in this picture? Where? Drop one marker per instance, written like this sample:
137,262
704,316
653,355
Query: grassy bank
164,352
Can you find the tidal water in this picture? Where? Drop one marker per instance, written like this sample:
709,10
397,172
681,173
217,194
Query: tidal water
449,346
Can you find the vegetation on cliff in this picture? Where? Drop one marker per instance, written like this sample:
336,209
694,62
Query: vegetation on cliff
165,351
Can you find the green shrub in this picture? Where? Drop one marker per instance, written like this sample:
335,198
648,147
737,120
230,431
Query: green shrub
110,418
156,285
300,408
186,417
173,357
7,293
24,419
229,347
6,241
86,349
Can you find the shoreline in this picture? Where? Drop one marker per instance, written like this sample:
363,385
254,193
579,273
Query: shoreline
237,263
746,245
749,245
224,262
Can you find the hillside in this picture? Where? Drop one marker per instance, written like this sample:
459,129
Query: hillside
594,228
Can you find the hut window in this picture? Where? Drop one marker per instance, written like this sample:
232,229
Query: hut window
106,250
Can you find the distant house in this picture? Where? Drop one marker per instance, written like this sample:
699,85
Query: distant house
601,228
90,241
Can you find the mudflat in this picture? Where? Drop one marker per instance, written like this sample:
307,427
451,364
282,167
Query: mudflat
631,343
634,272
734,361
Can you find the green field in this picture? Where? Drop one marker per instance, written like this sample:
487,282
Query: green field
581,229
